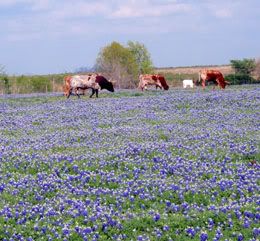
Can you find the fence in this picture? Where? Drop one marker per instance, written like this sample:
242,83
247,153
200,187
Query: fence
29,84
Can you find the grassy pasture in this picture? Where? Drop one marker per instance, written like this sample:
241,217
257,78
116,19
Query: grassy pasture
131,165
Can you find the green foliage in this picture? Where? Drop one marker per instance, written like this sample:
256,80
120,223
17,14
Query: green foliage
118,63
27,84
124,64
40,84
4,81
7,85
142,57
243,69
245,66
238,79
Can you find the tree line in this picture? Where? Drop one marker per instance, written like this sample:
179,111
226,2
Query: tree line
123,64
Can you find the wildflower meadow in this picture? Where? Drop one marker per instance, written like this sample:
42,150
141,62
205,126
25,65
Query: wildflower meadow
131,165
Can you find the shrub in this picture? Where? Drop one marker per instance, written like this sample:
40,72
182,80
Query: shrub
239,79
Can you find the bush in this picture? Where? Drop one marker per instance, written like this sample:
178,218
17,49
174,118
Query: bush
239,79
40,84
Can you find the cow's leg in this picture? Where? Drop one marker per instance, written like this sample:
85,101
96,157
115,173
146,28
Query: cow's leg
158,86
203,84
217,84
69,93
96,93
93,92
77,93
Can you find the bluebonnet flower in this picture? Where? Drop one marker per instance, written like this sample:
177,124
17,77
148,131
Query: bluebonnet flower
203,236
191,231
156,217
240,237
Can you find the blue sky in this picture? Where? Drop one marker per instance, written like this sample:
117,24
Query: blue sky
55,36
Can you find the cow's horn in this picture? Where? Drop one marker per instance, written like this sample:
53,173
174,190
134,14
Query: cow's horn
112,81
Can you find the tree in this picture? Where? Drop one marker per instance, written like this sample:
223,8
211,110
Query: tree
245,66
4,78
257,69
84,69
119,64
142,57
2,70
244,69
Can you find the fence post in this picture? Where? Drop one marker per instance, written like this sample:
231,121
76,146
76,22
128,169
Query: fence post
53,84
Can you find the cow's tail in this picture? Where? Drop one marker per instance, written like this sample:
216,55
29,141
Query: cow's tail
227,82
140,85
66,86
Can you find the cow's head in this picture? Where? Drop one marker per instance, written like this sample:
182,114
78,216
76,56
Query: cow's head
104,83
163,82
110,86
222,84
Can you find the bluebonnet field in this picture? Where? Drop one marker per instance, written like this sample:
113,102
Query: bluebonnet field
176,165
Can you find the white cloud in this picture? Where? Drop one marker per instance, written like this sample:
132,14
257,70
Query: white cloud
10,3
223,13
147,8
80,9
221,9
57,18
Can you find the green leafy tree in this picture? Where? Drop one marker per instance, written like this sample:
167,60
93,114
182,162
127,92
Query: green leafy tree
118,64
124,64
245,66
243,72
142,57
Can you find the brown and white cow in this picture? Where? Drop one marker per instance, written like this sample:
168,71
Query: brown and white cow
81,82
215,76
152,79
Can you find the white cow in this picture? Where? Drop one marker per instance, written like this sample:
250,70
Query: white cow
188,82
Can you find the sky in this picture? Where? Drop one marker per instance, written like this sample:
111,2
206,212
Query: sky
57,36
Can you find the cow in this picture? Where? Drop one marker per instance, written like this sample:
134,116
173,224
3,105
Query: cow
188,82
95,82
151,79
103,84
215,76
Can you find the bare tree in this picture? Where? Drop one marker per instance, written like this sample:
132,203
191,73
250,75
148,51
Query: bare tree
256,72
2,70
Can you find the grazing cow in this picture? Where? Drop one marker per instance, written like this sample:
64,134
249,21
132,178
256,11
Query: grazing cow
103,84
187,82
163,82
214,76
150,79
82,82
